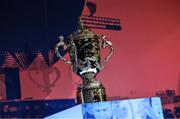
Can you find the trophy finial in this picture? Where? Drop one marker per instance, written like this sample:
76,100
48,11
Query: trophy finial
80,24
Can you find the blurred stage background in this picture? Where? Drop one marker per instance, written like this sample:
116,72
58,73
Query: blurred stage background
146,61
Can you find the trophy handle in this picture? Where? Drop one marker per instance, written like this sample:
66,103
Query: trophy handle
64,46
104,44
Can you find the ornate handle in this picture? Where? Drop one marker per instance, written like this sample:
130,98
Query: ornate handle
104,44
64,46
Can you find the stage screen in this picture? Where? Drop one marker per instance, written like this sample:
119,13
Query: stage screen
143,108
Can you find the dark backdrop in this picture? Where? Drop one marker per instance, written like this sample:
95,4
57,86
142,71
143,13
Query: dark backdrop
36,24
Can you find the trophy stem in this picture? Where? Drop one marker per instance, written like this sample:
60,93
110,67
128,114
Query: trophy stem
90,91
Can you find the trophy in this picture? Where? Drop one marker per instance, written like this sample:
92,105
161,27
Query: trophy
84,48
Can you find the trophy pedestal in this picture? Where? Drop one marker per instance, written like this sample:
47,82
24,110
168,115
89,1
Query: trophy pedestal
91,92
118,109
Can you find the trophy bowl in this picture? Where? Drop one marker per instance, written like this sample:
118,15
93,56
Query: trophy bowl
84,48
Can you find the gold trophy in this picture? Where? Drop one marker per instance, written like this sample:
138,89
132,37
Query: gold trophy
84,47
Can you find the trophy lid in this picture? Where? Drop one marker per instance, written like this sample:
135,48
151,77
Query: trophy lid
82,32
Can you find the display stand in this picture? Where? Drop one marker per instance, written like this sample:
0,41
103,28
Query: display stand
118,109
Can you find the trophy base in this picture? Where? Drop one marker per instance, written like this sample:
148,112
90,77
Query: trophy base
91,92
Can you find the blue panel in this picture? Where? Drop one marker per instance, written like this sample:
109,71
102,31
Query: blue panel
12,81
33,108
